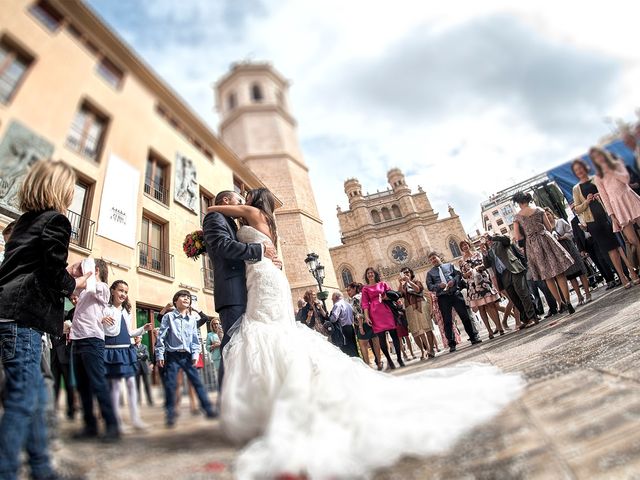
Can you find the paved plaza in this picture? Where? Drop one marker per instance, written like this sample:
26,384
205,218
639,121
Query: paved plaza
579,417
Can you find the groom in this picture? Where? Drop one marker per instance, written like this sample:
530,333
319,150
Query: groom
228,255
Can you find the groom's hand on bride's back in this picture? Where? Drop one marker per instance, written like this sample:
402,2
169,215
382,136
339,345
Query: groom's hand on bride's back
272,254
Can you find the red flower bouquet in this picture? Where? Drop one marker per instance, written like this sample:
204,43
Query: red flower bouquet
193,245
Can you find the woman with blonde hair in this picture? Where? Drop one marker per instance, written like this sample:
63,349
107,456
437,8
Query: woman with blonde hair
622,203
313,314
34,279
591,211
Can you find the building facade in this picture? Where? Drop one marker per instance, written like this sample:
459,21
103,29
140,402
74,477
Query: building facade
256,122
147,167
390,230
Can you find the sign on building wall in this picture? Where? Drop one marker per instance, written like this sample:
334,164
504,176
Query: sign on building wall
119,203
20,148
186,191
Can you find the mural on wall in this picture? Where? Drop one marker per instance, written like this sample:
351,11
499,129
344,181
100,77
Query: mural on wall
20,148
186,191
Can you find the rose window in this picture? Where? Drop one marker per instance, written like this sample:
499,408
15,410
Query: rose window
400,254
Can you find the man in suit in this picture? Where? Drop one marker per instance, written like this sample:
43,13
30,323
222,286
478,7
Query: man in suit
499,253
444,280
142,369
228,255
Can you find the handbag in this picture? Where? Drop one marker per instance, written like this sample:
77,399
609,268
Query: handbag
200,362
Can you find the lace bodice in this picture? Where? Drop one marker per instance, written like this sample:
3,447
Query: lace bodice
268,292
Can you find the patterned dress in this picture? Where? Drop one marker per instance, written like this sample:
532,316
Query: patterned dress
545,256
480,289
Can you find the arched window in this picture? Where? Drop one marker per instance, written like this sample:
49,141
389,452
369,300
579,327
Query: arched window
386,214
256,93
232,101
396,211
375,216
455,249
347,277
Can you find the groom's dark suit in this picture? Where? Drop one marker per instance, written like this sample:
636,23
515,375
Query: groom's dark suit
228,255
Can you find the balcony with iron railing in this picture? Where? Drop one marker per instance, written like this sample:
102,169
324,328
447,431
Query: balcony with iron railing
207,276
156,191
82,230
155,260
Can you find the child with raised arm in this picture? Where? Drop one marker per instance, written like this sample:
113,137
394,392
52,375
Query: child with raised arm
87,336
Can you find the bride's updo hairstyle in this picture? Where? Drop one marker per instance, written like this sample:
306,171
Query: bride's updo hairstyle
263,200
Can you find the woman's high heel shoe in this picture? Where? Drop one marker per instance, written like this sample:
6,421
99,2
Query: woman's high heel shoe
588,297
490,336
401,363
392,366
580,300
571,309
501,332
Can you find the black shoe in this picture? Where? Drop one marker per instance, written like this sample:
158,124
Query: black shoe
551,313
213,413
476,341
452,349
401,363
562,309
85,434
112,435
392,366
170,422
571,309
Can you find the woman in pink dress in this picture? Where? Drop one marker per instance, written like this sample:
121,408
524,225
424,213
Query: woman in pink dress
379,315
622,203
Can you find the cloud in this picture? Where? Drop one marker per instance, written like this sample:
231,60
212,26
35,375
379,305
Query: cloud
466,97
495,60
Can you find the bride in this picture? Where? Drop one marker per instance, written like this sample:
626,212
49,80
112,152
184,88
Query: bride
306,409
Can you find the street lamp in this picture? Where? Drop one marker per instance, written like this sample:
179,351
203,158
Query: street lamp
317,270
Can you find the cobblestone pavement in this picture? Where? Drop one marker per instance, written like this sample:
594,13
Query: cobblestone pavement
579,417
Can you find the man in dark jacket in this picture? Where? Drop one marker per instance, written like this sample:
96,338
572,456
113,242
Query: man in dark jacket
228,255
142,369
499,254
444,280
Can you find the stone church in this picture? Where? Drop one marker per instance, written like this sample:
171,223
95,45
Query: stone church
390,230
255,121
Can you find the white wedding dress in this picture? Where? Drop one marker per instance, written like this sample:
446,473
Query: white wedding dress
307,408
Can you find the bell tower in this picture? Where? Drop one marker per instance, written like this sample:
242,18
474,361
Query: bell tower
255,121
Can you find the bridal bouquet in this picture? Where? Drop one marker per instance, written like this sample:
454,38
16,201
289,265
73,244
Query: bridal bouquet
193,245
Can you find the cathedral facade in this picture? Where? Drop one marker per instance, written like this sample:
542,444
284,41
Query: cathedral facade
390,230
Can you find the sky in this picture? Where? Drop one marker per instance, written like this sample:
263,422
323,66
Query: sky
465,97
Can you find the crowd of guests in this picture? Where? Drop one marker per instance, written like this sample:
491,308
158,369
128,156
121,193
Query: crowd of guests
93,351
547,254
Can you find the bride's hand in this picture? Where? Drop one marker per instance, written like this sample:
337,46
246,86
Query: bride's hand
272,254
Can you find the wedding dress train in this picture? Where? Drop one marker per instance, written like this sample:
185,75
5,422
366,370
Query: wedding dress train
303,406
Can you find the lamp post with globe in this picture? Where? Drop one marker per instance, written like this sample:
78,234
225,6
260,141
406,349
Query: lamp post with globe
317,270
